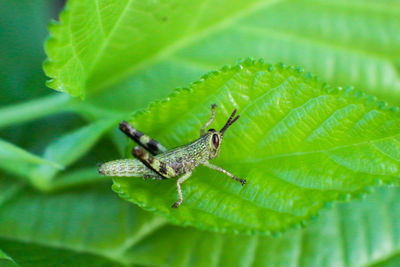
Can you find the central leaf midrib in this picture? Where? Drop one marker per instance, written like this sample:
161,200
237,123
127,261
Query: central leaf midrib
292,154
108,37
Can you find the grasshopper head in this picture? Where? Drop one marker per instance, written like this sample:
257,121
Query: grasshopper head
214,137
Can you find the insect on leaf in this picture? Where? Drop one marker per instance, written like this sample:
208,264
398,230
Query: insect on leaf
299,143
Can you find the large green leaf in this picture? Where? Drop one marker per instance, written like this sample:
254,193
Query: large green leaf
299,143
80,224
141,50
357,234
92,224
116,36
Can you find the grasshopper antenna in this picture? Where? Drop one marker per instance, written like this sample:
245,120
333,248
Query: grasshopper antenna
230,121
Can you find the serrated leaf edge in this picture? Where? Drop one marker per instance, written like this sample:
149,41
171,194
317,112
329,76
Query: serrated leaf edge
50,45
346,91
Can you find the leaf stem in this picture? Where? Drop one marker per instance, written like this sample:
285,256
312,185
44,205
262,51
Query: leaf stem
33,109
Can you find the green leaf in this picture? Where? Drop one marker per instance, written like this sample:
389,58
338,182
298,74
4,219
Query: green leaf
391,261
78,177
68,149
299,143
34,255
78,60
5,260
75,225
358,234
139,51
17,160
93,221
346,42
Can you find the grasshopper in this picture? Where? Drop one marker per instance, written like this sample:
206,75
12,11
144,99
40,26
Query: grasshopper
159,163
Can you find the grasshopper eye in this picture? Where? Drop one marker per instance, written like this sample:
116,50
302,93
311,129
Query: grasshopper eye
215,140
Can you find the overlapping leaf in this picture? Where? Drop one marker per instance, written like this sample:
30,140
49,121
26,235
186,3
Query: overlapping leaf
358,234
299,143
74,227
70,227
90,49
143,50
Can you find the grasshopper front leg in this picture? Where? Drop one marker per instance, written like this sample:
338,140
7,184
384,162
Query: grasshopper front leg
211,166
162,169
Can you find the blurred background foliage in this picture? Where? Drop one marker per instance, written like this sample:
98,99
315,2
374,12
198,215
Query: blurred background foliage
46,220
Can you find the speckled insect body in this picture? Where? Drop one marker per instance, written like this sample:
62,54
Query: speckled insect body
160,163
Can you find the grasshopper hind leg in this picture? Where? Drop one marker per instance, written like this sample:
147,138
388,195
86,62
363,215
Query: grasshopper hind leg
143,140
158,166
